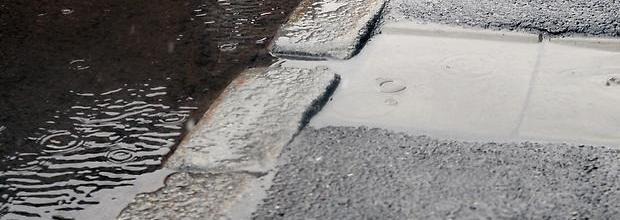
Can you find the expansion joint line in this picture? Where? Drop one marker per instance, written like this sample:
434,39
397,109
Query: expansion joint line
531,84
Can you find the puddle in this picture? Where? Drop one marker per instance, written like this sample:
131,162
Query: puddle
103,142
94,95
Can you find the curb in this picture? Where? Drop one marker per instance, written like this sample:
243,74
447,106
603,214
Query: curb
324,29
225,165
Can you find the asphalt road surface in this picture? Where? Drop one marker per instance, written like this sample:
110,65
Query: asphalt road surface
362,173
599,17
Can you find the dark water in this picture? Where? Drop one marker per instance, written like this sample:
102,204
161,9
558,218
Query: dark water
95,94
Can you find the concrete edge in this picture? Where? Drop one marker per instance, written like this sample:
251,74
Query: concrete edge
297,52
207,116
244,201
448,31
180,160
248,200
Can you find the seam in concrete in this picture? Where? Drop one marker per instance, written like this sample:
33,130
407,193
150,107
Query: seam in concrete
530,89
299,56
368,32
318,103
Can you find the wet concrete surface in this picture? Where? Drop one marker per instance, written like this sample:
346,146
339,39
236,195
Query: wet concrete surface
94,95
189,196
564,18
361,173
257,115
315,29
228,161
478,85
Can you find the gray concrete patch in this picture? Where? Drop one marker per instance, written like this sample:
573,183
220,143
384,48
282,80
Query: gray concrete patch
479,85
582,17
255,117
360,173
321,29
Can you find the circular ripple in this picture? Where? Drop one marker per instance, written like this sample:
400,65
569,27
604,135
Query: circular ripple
390,85
62,141
468,65
120,156
79,64
173,118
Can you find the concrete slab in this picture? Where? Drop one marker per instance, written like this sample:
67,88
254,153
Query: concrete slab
255,117
563,18
320,29
575,96
463,87
360,173
480,85
224,166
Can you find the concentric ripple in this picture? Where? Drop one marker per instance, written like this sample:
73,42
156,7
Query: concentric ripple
60,141
113,138
121,156
468,65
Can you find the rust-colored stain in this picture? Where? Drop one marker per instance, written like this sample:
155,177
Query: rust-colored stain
299,12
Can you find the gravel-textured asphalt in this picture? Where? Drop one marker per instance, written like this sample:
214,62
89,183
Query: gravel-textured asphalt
554,17
361,173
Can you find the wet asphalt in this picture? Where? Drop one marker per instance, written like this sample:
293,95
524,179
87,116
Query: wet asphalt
362,173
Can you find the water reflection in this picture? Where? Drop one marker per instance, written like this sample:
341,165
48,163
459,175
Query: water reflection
108,143
93,140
